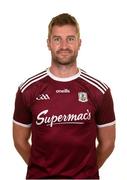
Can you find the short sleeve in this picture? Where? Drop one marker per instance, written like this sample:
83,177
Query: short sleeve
105,114
22,115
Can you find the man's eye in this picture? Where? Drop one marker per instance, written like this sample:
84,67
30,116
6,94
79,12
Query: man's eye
56,39
71,39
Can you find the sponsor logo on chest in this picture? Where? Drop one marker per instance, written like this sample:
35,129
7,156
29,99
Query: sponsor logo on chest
43,118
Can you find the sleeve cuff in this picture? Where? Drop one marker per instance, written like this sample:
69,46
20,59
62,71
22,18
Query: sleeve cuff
107,124
21,124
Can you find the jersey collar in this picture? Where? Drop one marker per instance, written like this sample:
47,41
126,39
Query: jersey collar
52,76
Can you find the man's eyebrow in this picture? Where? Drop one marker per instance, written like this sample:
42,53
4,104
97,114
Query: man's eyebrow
68,36
71,36
56,36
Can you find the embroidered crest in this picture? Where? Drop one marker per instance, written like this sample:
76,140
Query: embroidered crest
82,97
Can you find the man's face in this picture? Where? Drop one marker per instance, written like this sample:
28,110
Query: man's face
64,44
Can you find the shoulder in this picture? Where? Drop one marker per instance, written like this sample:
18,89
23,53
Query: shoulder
30,82
94,83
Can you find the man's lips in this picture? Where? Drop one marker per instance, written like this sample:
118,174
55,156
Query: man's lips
64,51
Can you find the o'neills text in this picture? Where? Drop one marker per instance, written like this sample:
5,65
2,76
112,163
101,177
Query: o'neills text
62,119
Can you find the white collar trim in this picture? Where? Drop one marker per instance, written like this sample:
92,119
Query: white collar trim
52,76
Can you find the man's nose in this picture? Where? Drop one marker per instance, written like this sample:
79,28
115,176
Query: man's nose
64,44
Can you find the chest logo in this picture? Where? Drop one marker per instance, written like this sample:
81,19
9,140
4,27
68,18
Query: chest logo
82,97
63,91
43,118
42,97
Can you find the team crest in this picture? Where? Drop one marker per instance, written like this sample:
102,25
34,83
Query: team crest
82,97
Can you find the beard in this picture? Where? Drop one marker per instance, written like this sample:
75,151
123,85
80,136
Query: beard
64,57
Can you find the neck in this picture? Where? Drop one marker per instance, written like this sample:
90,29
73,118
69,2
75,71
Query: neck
64,70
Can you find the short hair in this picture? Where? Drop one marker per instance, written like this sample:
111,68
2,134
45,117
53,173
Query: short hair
61,20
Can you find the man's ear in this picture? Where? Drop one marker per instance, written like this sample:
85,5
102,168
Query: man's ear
48,44
80,42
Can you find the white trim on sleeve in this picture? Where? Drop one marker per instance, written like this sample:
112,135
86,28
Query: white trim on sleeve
106,125
21,124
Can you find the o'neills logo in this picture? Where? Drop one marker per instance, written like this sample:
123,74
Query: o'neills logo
63,91
62,119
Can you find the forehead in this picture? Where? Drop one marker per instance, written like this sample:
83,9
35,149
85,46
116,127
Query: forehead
65,30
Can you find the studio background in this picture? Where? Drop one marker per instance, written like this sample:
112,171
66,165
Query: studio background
24,52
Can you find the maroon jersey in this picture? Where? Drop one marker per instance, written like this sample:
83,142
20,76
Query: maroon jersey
64,114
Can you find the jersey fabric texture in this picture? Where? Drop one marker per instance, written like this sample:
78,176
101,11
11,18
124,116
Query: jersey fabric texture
63,114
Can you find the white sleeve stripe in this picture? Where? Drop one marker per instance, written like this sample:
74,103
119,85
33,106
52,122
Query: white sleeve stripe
103,85
106,125
95,81
21,124
98,87
32,78
33,82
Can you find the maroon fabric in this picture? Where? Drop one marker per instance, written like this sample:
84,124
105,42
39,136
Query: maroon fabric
64,116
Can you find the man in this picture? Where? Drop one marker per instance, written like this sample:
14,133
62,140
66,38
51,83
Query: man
65,110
